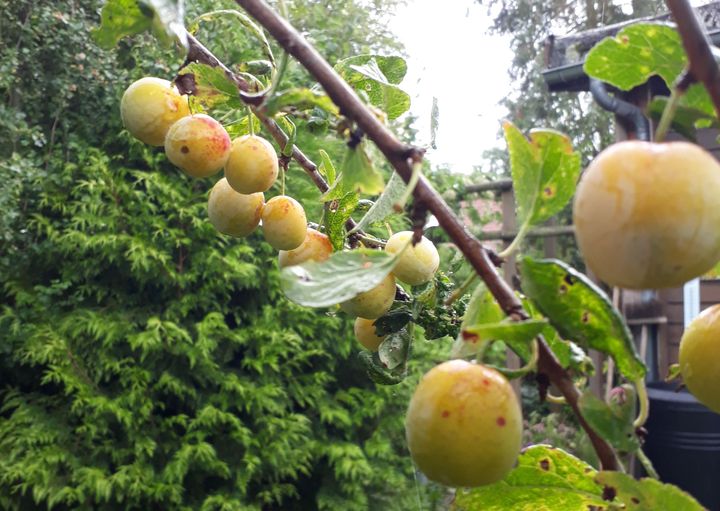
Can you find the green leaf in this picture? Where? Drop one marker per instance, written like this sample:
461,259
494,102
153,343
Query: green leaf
376,372
614,423
245,21
326,167
580,311
338,213
209,85
377,77
511,332
639,52
242,126
384,205
686,120
300,99
395,349
481,309
646,494
338,279
121,18
545,478
357,174
291,131
545,170
118,19
393,321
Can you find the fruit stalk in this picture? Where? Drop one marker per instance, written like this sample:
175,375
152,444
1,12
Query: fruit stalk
402,157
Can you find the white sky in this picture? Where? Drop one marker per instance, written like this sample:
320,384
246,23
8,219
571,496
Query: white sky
452,57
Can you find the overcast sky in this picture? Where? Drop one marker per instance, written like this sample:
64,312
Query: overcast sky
452,57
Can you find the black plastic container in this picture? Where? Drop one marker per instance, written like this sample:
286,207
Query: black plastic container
683,443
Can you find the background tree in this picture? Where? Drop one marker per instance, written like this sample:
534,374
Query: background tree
145,361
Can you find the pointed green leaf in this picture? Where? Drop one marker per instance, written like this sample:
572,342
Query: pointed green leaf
580,311
326,167
337,214
300,99
545,478
384,205
242,126
646,494
121,18
639,52
394,350
545,170
209,85
291,131
342,277
377,77
614,423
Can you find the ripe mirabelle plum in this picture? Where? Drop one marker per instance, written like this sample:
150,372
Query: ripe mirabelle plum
234,213
418,263
316,246
365,333
253,164
464,424
198,145
149,107
699,355
373,303
646,215
284,223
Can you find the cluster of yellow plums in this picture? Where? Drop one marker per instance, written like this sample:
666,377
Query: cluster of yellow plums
452,396
154,112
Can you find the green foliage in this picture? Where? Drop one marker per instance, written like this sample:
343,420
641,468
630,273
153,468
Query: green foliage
613,421
122,18
647,494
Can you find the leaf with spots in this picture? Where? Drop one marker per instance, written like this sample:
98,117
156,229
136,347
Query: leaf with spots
482,308
517,334
545,478
208,85
338,279
580,311
614,421
639,52
545,170
645,494
338,212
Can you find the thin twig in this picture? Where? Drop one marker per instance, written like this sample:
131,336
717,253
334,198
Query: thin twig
401,157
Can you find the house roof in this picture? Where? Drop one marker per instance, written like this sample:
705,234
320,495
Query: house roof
564,56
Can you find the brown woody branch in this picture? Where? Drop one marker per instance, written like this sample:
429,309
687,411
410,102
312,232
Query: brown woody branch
702,67
401,157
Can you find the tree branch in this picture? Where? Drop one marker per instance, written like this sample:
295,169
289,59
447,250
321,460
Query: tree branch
401,157
703,67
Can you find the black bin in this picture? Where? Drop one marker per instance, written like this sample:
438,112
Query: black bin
683,443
